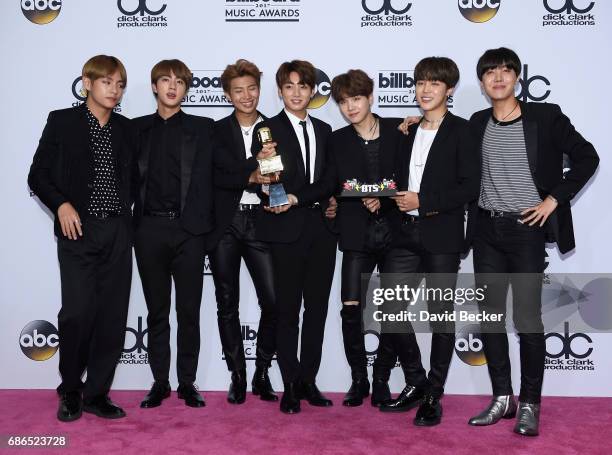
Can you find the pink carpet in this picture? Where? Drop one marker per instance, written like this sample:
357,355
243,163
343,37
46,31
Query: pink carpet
569,426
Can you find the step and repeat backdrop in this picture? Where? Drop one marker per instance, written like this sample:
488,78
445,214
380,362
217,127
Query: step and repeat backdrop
564,46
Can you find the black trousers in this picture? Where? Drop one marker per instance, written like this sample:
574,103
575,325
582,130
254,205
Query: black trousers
504,246
303,270
166,252
96,274
354,265
440,271
239,242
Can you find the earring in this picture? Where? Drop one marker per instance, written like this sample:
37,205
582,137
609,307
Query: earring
83,92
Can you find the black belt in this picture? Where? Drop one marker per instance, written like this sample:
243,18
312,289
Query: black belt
500,214
408,218
243,207
104,215
169,214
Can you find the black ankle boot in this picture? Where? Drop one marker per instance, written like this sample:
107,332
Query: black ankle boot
354,349
261,385
237,390
360,389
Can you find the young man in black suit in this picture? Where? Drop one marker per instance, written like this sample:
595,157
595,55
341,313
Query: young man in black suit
303,247
173,210
524,202
438,176
365,150
81,172
233,238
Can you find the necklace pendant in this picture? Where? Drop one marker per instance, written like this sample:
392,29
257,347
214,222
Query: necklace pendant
246,133
366,142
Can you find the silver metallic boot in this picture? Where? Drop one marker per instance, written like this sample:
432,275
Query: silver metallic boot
527,419
501,407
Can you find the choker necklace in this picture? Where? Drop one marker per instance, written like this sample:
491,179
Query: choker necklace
371,132
497,122
248,130
435,122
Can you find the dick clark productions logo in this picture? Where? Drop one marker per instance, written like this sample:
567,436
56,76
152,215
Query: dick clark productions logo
388,13
41,12
568,13
140,13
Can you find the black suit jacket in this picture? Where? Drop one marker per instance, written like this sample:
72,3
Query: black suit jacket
451,180
232,169
549,135
62,169
197,216
287,227
346,159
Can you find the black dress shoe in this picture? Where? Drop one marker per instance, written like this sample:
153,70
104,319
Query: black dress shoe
312,394
409,398
360,389
70,406
103,407
156,395
261,385
380,392
190,394
290,402
429,413
237,390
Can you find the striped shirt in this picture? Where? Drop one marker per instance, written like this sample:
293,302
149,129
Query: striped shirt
507,184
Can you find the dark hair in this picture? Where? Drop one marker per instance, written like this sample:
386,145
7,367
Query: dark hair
494,58
306,71
441,69
241,68
351,83
166,67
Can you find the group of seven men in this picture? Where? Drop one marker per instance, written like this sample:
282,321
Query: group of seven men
196,188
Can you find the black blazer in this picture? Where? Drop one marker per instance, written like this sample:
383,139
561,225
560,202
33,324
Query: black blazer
197,215
347,160
549,135
62,169
287,227
232,169
451,180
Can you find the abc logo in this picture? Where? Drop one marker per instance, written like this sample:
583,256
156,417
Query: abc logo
322,91
41,11
39,340
469,347
479,10
387,6
566,6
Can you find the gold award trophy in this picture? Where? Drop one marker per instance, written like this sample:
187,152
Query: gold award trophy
270,166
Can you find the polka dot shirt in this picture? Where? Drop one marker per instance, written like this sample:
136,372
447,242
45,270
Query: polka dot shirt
105,196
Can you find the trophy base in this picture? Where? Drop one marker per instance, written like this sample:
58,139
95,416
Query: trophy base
278,196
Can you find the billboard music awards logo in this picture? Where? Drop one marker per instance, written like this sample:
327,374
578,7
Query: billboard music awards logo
568,13
249,341
397,89
141,13
479,10
80,95
469,347
568,352
322,90
262,10
135,351
533,88
205,90
386,13
39,340
41,12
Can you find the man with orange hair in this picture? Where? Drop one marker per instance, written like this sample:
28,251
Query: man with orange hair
81,173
